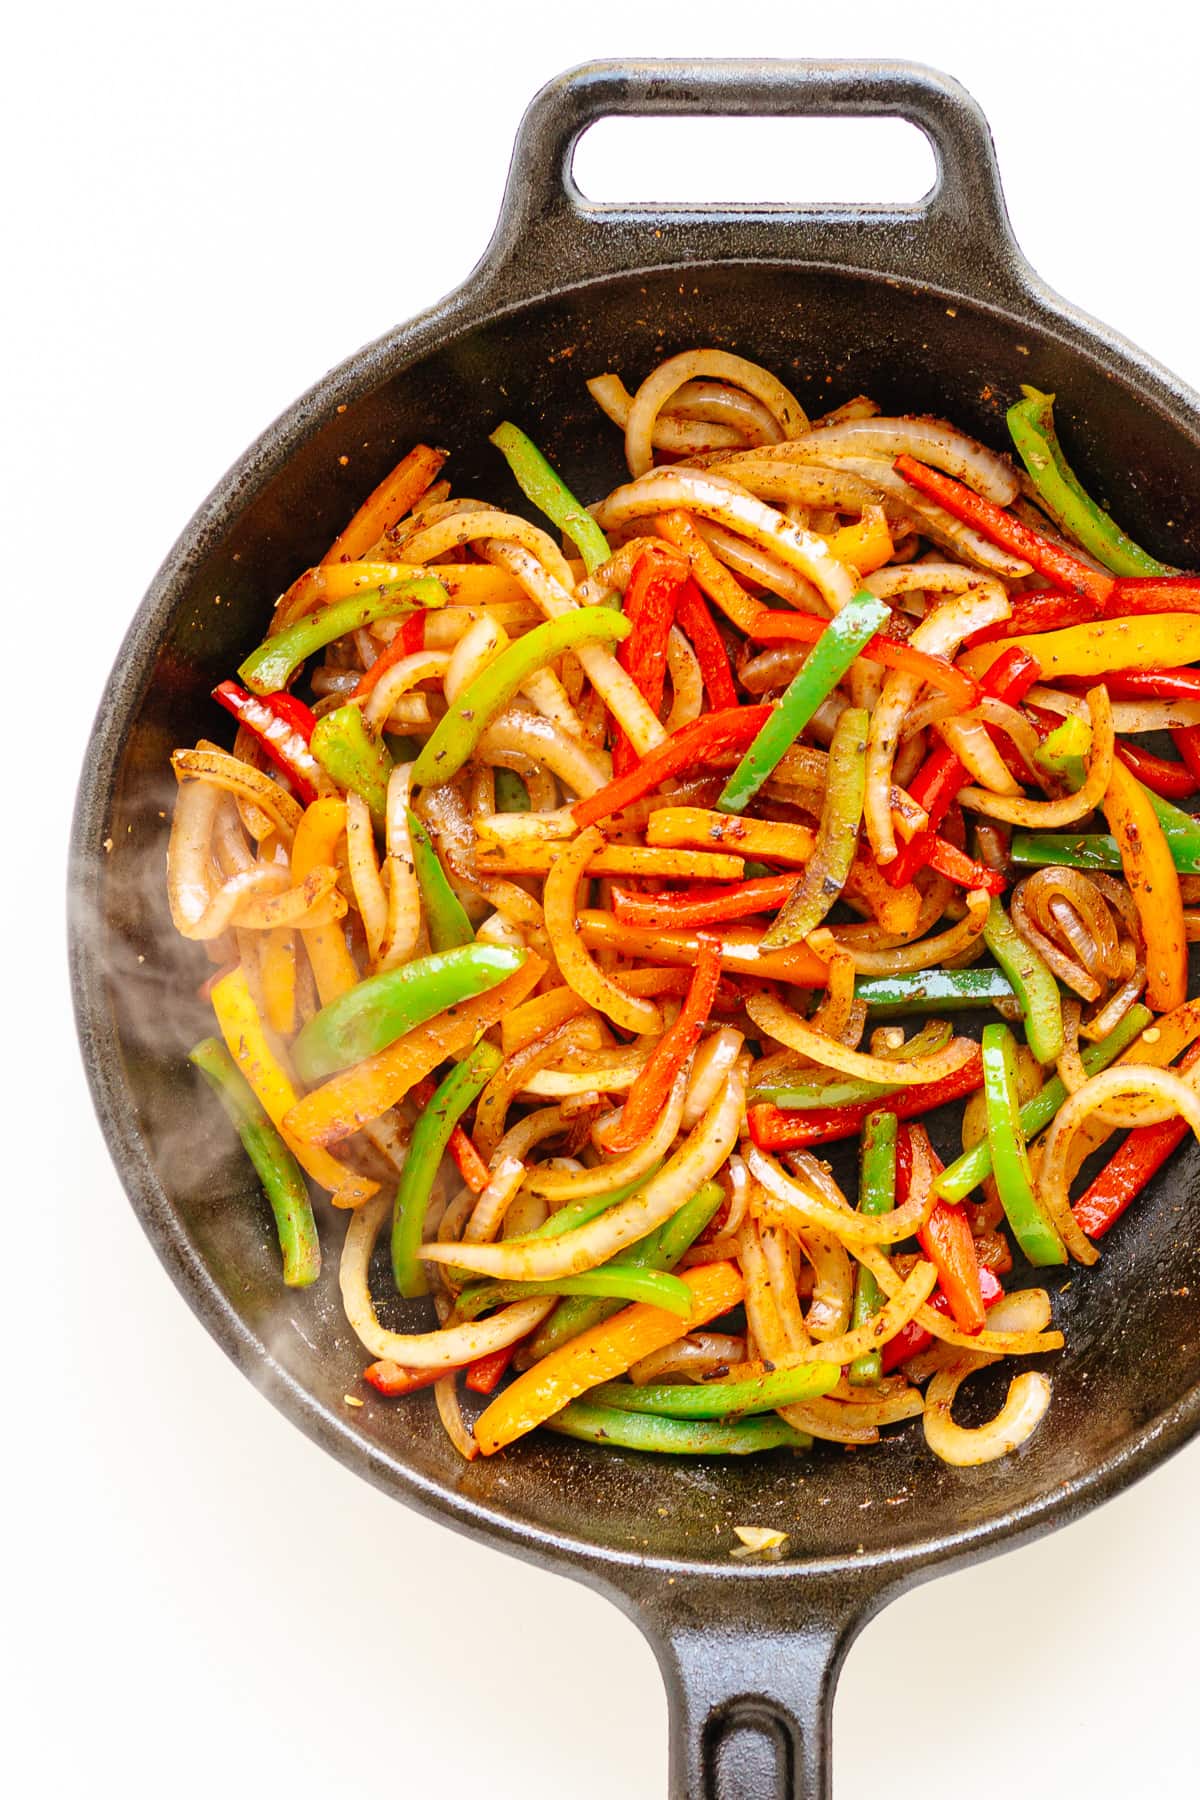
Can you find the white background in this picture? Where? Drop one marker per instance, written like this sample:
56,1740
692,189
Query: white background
209,205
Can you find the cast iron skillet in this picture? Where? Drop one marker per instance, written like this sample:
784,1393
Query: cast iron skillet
926,307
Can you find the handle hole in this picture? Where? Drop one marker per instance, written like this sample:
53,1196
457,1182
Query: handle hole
797,161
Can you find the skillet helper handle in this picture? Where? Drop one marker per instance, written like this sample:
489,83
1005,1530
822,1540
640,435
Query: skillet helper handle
750,1680
957,237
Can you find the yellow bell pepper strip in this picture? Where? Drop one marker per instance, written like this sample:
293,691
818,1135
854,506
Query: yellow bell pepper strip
315,843
465,584
545,487
615,1280
602,1353
660,1249
1010,1158
1032,982
340,1106
1148,641
276,1167
876,1194
444,913
1060,492
866,545
956,1182
1153,881
246,1042
827,873
840,642
277,658
722,1399
679,1437
357,761
388,1005
277,972
470,713
426,1148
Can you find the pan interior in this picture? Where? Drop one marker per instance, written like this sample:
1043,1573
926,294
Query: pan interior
1132,1324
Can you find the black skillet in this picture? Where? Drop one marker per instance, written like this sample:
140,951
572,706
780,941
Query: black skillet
927,307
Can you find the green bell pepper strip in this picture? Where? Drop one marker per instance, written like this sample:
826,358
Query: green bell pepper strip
402,749
1010,1158
545,487
828,661
357,761
460,728
1031,427
281,1175
372,1015
679,1437
1044,849
1032,981
426,1148
720,1399
511,793
582,1212
956,1182
622,1281
277,658
876,1194
933,990
826,874
660,1249
814,1096
444,913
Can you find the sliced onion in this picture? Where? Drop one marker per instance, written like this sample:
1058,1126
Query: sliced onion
755,564
712,1063
485,524
853,1422
940,634
369,894
423,665
832,1296
1017,1420
781,1273
696,1160
244,781
1130,717
687,683
767,1329
507,1174
446,1349
927,440
796,1033
670,375
403,930
479,645
797,1204
1052,815
558,1186
699,1356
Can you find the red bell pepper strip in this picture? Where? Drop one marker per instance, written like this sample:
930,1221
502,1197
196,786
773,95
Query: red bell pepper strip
912,1338
711,738
960,868
694,619
648,1095
650,600
283,726
1000,527
1049,610
465,1156
770,626
704,905
941,775
485,1373
1140,684
392,1378
774,1129
947,1240
1171,780
407,642
1186,739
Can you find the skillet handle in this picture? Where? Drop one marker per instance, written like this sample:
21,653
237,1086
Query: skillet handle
751,1703
957,237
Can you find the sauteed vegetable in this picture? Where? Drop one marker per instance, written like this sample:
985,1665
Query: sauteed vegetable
568,891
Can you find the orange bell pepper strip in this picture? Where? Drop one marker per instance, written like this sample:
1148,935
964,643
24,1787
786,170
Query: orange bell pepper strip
771,626
708,572
341,1105
246,1041
602,1353
465,1156
648,1095
317,834
1150,875
382,507
277,972
738,944
525,1024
